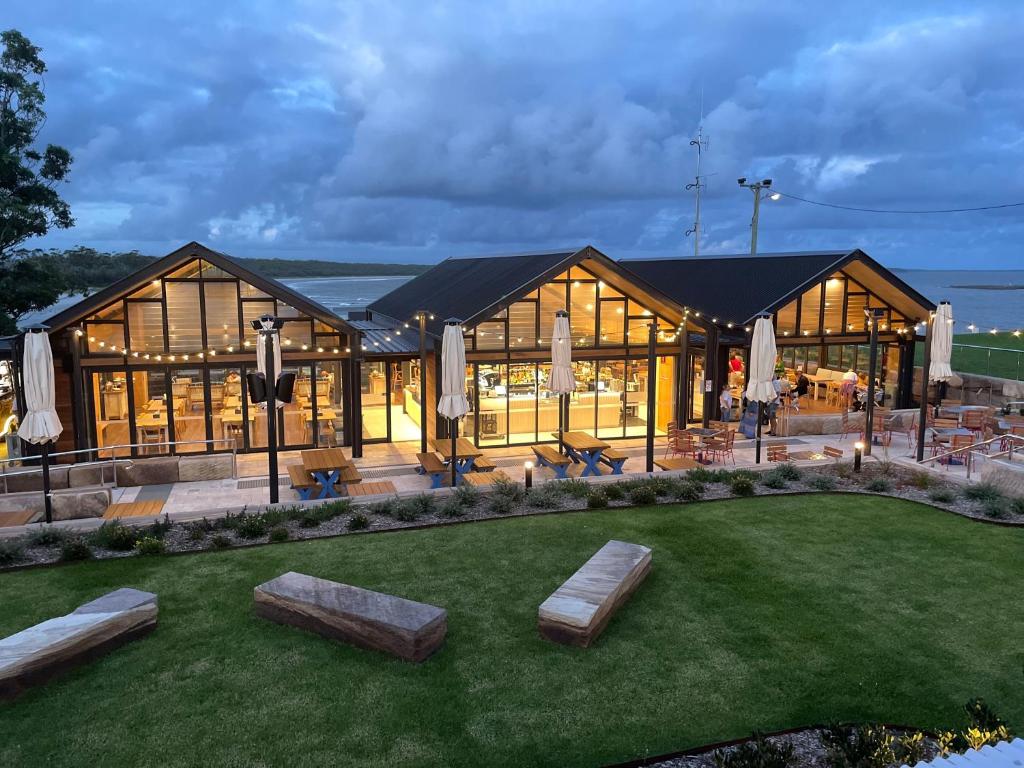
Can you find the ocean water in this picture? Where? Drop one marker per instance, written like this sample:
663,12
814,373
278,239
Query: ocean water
986,309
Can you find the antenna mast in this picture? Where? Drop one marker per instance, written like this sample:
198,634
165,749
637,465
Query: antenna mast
701,143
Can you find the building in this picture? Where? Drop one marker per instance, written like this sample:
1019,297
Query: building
157,362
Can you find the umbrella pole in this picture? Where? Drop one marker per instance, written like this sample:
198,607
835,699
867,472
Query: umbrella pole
47,502
455,455
757,443
561,403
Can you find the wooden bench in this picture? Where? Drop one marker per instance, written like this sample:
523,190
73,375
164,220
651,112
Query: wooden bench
481,464
302,481
39,653
579,610
613,458
431,464
480,479
832,453
372,620
677,463
778,453
551,458
373,488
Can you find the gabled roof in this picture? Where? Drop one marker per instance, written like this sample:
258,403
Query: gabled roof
466,287
382,339
175,259
739,288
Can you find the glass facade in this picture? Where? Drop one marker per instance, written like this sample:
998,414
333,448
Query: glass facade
833,307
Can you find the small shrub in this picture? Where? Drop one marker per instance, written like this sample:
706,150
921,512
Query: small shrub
220,541
1017,505
198,529
690,490
278,534
998,508
982,716
741,485
509,489
642,494
47,536
615,492
407,510
358,522
773,479
149,545
546,496
113,535
159,527
878,485
386,507
843,470
661,485
502,505
942,495
982,492
702,475
468,495
425,503
578,489
251,526
789,472
822,482
757,753
910,748
597,499
11,551
452,507
75,548
863,746
921,479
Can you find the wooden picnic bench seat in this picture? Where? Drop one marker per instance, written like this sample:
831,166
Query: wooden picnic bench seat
484,478
349,474
372,620
482,464
677,463
579,610
302,481
832,453
547,456
431,464
614,458
778,453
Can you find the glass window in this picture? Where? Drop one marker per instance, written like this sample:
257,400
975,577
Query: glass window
285,310
785,320
522,403
183,318
104,337
228,412
296,418
208,270
152,290
856,303
611,398
613,322
490,335
492,415
374,393
151,409
607,292
552,299
109,392
583,402
639,330
254,310
114,312
834,289
189,270
189,410
810,310
583,313
636,397
146,326
221,314
522,320
330,404
248,291
296,335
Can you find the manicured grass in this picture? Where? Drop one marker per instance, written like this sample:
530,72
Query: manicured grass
758,614
993,360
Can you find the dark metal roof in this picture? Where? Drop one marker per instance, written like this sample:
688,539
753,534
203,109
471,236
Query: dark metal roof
385,339
132,282
739,288
465,287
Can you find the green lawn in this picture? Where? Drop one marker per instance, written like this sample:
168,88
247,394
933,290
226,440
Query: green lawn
993,360
759,613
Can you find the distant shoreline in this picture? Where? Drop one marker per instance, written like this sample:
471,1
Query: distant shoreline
991,287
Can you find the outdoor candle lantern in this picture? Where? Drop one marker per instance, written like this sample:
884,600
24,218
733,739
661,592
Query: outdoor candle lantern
858,452
528,469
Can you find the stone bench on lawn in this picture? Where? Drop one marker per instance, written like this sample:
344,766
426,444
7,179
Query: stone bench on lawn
35,655
579,610
373,620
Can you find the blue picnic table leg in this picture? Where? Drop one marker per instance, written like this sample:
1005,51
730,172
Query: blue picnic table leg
327,483
591,458
617,466
462,466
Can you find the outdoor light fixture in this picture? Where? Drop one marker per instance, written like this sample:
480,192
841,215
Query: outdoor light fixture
858,452
528,469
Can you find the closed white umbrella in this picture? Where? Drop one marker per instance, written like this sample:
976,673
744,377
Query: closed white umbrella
562,382
40,425
760,388
453,404
942,344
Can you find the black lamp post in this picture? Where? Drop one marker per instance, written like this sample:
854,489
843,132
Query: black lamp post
268,327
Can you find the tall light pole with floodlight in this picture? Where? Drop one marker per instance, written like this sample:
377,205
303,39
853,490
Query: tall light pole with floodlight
761,189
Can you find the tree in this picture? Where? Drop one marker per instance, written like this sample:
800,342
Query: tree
29,202
28,284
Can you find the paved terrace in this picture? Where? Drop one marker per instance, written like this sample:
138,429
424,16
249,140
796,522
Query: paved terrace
396,462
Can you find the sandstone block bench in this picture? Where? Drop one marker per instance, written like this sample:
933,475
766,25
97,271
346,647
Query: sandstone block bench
33,656
579,610
372,620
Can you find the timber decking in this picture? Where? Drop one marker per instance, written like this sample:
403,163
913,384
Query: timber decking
579,610
16,517
134,509
372,488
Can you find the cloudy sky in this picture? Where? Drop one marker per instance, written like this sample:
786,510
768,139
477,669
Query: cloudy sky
417,130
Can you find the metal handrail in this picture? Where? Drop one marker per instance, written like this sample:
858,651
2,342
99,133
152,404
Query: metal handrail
969,450
113,459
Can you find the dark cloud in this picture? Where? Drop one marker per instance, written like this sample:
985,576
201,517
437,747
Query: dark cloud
415,131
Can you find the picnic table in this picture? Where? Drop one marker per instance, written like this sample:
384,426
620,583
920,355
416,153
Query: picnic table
585,449
465,453
326,465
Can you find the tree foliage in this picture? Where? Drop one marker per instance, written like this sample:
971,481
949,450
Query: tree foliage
30,204
28,285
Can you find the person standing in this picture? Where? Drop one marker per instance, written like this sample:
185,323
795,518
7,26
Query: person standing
725,400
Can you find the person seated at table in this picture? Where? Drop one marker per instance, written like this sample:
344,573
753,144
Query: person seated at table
725,400
803,386
848,388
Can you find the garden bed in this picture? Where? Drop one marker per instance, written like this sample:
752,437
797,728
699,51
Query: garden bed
333,518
